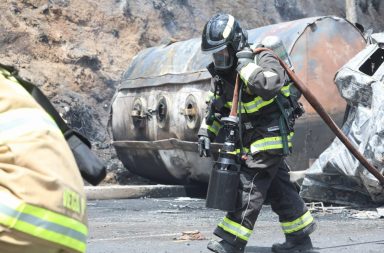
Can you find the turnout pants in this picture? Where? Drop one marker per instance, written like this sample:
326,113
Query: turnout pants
268,179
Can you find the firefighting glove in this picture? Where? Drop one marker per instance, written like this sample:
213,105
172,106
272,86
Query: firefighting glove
91,167
204,146
244,57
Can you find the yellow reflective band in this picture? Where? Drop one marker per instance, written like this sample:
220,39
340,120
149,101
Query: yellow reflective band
10,80
269,143
44,224
215,127
253,106
210,96
246,150
53,217
247,71
235,228
8,75
285,90
42,233
17,122
298,224
229,26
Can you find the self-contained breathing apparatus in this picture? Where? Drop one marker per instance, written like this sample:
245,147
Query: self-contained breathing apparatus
225,176
291,109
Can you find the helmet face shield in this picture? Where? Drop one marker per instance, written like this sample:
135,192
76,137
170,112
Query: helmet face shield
222,59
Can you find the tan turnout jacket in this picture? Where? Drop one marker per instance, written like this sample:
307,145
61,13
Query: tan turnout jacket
41,190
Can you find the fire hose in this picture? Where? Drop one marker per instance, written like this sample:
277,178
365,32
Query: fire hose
314,102
235,98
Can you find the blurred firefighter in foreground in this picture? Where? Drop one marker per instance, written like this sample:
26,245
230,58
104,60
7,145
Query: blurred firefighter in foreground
268,107
42,200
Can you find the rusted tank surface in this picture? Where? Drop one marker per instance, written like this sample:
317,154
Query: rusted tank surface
159,105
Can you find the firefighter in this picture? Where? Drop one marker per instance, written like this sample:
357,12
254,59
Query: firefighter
267,118
42,199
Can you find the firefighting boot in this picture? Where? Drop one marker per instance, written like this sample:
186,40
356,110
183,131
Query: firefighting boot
299,242
293,245
224,247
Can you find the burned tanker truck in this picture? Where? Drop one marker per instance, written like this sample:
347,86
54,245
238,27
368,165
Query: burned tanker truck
160,102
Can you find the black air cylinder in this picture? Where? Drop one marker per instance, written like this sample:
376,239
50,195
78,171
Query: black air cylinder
223,184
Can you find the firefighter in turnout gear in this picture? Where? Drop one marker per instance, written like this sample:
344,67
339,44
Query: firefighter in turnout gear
267,110
42,200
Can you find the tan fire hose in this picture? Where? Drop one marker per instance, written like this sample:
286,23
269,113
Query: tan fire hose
235,98
323,114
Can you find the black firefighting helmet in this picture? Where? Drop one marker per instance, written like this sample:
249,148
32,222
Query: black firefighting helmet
223,37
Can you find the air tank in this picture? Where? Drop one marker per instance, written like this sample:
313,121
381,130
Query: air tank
159,105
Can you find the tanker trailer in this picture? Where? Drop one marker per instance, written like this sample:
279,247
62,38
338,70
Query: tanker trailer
160,102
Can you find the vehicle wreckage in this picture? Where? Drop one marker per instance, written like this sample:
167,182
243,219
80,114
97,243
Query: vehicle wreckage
158,106
337,176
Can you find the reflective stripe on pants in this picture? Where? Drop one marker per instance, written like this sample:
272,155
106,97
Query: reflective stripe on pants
235,229
298,224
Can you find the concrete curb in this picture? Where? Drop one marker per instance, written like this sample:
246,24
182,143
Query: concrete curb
138,191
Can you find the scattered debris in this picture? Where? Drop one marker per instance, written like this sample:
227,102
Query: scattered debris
380,211
168,211
316,207
191,236
372,215
186,199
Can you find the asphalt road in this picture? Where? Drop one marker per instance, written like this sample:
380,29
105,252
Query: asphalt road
156,225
